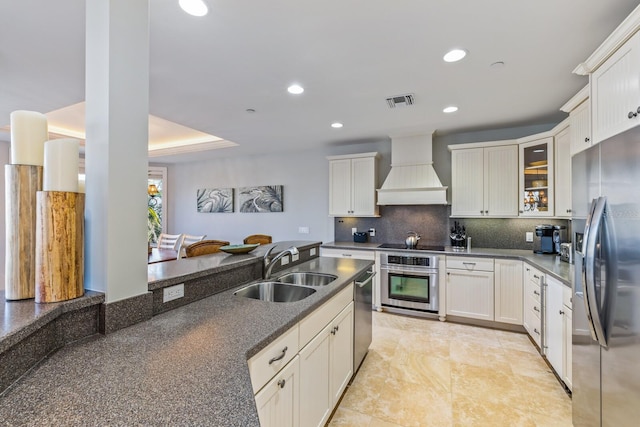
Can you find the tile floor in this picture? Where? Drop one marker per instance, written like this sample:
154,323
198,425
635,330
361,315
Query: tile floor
422,372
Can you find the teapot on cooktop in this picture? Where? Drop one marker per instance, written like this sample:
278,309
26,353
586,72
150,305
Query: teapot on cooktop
412,240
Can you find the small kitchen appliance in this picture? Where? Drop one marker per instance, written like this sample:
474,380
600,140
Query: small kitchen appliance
360,237
547,238
566,252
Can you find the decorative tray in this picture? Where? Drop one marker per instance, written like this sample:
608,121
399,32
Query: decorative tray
239,249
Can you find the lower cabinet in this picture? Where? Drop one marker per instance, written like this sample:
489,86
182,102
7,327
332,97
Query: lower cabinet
508,291
470,287
567,371
301,388
532,321
279,401
554,325
326,366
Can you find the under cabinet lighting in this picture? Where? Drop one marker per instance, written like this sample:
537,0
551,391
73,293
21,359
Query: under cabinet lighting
194,7
451,109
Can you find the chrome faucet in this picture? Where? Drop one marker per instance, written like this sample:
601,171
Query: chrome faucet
268,265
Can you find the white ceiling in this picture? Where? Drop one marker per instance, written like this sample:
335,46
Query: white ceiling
348,54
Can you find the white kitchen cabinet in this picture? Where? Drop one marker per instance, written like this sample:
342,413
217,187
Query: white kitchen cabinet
554,325
352,185
536,180
279,401
580,122
567,371
326,366
484,181
615,92
532,322
508,290
470,287
563,173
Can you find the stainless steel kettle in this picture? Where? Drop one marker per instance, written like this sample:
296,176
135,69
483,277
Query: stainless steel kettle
412,240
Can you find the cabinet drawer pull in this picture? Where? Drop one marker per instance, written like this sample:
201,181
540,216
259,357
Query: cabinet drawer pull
334,330
536,293
469,263
281,383
535,308
346,255
535,276
586,139
536,331
275,359
561,312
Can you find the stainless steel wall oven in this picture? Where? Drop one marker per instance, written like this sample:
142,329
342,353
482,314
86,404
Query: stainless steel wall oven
409,281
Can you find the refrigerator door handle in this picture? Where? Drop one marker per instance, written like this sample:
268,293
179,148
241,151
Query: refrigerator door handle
592,229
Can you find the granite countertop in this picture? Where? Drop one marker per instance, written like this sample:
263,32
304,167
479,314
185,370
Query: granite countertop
550,264
163,274
187,366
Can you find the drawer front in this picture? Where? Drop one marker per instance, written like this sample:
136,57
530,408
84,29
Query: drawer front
532,274
311,325
532,289
266,364
535,308
348,253
470,263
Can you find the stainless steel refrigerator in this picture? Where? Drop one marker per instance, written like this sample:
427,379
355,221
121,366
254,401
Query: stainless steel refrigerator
606,290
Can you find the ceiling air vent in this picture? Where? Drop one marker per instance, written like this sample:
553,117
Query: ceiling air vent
400,100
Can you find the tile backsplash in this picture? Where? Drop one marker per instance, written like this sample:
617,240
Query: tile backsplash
432,223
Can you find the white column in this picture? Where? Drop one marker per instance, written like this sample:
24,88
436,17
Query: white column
117,111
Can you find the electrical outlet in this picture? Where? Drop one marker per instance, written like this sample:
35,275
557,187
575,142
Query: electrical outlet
312,252
173,292
284,260
354,230
372,232
528,237
295,257
303,230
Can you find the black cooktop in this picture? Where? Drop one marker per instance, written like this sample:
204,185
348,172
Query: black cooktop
418,248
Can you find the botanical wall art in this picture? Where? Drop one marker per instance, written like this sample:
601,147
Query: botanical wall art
260,199
215,200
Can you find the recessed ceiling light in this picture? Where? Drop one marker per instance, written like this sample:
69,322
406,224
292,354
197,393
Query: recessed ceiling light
451,109
194,7
336,125
295,89
454,55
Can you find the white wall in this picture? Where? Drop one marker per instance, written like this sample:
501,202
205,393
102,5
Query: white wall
304,175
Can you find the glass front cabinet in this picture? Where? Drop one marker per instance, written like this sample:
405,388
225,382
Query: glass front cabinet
536,178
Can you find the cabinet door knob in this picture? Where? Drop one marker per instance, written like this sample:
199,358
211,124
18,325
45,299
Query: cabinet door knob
638,110
481,212
586,139
521,211
561,312
281,383
632,114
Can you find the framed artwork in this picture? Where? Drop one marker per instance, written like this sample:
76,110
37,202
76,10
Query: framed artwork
215,200
260,199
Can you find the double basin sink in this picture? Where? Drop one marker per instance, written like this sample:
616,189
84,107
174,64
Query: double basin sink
289,287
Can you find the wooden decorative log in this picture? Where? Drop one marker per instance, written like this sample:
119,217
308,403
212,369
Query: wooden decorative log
59,246
21,184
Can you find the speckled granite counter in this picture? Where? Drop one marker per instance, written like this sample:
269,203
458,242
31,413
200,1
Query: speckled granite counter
187,366
550,264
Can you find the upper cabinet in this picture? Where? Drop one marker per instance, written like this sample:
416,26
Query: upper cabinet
563,171
484,181
615,92
536,177
579,109
614,83
352,185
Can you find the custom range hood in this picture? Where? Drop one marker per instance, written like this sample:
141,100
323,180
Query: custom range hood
412,179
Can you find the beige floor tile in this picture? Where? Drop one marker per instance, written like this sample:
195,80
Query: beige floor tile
344,417
423,372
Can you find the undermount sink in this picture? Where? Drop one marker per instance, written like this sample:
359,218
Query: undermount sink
307,278
275,292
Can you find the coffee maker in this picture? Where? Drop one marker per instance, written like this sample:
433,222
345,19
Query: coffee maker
547,238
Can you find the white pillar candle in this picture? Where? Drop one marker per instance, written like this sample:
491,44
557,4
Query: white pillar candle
28,134
61,165
81,183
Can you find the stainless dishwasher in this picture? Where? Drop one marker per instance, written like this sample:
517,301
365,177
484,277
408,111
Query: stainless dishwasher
362,319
